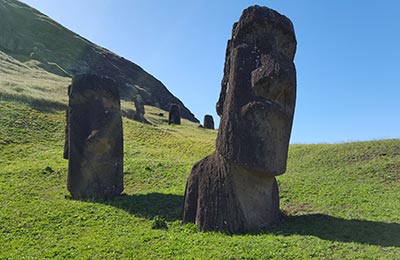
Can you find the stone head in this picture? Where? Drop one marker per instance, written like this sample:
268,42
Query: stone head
174,115
258,91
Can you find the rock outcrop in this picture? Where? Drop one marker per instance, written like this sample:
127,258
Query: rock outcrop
235,188
95,150
174,117
208,122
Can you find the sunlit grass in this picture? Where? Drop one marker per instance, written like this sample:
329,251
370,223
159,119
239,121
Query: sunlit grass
342,200
27,82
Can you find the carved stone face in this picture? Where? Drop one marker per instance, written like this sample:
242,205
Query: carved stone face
258,92
95,138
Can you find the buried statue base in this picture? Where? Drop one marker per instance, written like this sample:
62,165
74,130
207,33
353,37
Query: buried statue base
226,197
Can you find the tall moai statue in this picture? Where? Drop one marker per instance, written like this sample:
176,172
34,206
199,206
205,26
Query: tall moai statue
235,188
174,116
208,122
95,151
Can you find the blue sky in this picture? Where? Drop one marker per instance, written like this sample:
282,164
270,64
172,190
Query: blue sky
347,57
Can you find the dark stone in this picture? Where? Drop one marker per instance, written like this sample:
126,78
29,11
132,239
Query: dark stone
174,116
258,106
208,122
95,168
227,197
139,110
235,188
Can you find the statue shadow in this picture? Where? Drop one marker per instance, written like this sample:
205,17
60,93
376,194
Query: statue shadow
169,207
39,104
150,205
342,230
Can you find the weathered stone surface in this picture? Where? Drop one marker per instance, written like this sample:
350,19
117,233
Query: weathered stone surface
174,116
227,197
235,188
139,110
258,105
95,168
208,122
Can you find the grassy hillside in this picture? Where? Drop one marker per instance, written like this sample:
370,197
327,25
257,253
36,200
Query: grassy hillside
29,84
342,201
30,39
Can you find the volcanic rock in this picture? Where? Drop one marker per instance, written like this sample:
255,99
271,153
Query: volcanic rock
139,110
95,153
235,188
174,116
208,122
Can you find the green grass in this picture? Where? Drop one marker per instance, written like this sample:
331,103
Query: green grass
28,35
26,83
342,200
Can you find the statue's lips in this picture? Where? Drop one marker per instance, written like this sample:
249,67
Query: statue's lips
264,106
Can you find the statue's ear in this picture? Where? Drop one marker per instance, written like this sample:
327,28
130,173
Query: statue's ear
221,100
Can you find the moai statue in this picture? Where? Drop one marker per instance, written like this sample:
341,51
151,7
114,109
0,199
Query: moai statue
235,188
139,107
95,138
208,122
174,115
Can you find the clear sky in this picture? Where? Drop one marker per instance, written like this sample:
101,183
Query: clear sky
348,71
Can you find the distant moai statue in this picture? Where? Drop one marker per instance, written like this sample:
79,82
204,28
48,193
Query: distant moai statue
208,122
174,116
235,188
95,167
139,107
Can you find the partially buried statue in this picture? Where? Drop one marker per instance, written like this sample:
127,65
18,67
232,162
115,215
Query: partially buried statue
235,188
208,122
94,138
174,116
139,109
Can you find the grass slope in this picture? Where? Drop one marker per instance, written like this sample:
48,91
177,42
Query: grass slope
32,44
28,34
342,200
27,83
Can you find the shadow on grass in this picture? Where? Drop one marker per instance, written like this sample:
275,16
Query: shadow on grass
39,104
169,207
151,205
341,230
